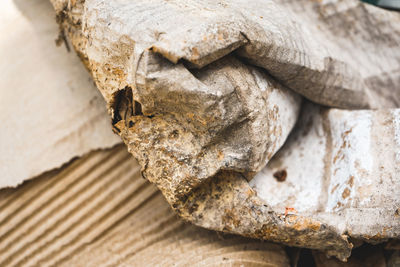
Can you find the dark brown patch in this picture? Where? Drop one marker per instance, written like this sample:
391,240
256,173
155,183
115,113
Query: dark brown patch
397,213
280,175
346,193
137,108
122,105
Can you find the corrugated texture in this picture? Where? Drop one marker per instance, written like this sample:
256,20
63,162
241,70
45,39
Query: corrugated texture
99,211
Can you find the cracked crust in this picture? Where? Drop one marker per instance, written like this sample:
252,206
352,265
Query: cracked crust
202,122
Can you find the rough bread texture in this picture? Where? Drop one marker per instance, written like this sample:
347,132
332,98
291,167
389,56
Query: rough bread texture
202,121
184,125
342,167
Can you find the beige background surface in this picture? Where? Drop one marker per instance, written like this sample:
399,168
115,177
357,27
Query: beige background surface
50,110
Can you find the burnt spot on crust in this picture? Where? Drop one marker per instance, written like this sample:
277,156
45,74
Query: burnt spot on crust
280,175
122,105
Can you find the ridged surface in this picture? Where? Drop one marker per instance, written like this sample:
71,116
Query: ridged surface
99,211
